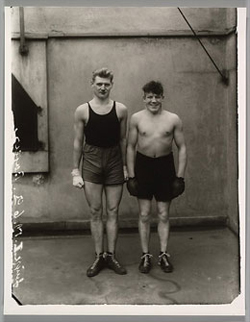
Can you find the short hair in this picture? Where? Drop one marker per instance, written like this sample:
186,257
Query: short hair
153,87
104,73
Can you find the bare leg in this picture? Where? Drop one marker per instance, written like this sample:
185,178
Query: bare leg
144,223
163,225
113,198
93,194
163,231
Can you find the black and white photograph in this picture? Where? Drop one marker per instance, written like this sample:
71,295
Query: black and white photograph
125,164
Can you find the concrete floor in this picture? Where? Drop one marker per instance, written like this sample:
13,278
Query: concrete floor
205,270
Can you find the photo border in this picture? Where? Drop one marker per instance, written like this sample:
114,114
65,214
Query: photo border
136,318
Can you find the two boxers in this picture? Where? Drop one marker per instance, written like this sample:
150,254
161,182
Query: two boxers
100,143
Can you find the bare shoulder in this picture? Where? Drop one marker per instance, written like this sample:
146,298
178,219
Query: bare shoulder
121,109
81,112
137,116
173,117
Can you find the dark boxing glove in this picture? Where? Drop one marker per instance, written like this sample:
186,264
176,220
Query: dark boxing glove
178,187
132,186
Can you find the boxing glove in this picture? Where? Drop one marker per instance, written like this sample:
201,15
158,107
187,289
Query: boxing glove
132,186
77,179
178,187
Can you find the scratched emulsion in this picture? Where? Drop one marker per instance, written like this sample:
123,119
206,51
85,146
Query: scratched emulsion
17,212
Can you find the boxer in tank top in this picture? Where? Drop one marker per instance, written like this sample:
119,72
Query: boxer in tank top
100,143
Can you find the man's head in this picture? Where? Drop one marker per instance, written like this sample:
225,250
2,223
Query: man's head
153,87
102,82
153,96
103,73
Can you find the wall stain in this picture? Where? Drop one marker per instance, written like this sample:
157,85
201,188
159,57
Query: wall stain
38,179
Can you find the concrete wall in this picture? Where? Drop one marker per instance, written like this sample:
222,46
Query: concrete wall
46,22
76,44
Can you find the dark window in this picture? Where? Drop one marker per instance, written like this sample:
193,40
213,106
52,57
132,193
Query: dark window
25,118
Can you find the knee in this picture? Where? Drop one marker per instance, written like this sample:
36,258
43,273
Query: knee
144,216
112,212
163,216
96,213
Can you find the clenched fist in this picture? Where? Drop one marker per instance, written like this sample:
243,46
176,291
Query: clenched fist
77,179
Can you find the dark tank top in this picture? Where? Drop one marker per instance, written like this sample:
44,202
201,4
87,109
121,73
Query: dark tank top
103,130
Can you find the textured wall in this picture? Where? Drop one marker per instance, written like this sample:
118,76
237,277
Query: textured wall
193,90
43,22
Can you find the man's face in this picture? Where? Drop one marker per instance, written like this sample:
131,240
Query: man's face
102,87
153,102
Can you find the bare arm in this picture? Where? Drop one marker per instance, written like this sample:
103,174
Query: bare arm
78,138
123,131
180,143
131,148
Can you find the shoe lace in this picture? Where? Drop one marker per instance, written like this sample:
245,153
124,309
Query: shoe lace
165,256
96,260
146,258
114,260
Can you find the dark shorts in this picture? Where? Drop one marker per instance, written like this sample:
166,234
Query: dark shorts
102,165
155,176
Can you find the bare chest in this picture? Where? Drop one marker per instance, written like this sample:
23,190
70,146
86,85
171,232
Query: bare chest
155,130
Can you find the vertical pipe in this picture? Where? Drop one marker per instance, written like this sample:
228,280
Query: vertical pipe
23,48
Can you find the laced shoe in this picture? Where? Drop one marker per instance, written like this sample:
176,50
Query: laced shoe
97,265
145,264
164,262
113,264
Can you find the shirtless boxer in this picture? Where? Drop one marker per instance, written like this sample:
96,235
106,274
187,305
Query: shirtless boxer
100,141
151,169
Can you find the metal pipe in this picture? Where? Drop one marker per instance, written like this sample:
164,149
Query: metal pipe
23,48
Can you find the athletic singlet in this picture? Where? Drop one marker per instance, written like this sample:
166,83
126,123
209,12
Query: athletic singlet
103,130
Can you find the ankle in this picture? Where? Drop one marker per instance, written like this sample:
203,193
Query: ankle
163,252
146,255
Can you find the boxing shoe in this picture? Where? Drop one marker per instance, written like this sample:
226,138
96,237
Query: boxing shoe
132,186
112,263
97,265
145,264
178,187
164,262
